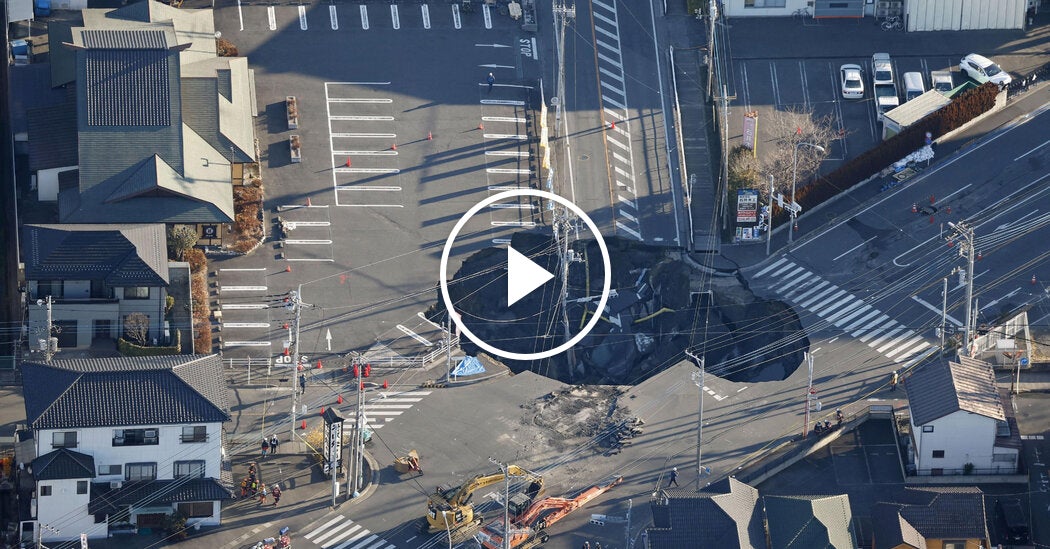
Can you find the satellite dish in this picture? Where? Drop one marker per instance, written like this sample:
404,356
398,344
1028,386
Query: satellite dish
40,303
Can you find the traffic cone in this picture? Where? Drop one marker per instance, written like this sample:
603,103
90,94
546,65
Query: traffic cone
481,126
914,208
339,399
430,136
348,163
612,125
931,219
286,327
318,364
980,256
796,226
363,383
393,146
303,425
932,199
1033,279
385,384
949,210
288,269
322,411
308,204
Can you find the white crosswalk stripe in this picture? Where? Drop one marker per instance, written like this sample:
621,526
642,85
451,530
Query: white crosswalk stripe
389,405
807,290
340,532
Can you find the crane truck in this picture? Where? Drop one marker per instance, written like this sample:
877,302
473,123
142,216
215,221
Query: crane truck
450,511
529,529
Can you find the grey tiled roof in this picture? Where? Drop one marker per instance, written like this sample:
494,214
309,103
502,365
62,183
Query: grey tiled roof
725,516
127,87
941,388
53,135
933,513
118,255
108,392
105,499
125,39
810,522
63,464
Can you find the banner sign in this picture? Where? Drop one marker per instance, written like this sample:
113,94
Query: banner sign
746,206
751,130
333,445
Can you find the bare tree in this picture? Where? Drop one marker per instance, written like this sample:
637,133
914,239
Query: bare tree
136,328
789,128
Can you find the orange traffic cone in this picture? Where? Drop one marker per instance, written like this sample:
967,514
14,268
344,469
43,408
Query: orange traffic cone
288,269
385,384
363,383
303,425
1033,279
318,364
339,399
914,208
322,411
430,136
931,220
393,147
612,125
481,126
348,163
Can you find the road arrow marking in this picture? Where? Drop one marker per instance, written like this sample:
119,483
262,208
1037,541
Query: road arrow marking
328,338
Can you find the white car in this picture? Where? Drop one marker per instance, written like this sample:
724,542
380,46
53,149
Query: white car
942,81
881,69
886,99
852,81
982,70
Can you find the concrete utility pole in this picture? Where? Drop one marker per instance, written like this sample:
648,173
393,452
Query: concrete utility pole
562,14
448,350
562,231
359,433
769,229
48,348
966,249
506,501
809,394
297,305
712,17
944,310
698,379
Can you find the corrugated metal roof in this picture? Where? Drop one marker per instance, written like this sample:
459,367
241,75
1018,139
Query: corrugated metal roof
124,39
941,388
109,392
918,108
119,255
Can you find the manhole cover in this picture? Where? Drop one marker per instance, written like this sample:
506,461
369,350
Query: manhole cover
585,157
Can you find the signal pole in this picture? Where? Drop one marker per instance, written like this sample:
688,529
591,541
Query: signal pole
698,379
809,394
297,305
562,229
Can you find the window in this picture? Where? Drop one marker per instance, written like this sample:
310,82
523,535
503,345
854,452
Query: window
195,509
109,470
927,428
954,544
938,453
764,3
45,489
134,437
195,433
51,288
1004,458
136,292
140,471
191,469
64,439
82,487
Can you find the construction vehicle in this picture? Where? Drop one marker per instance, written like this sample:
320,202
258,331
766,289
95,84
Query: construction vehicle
449,509
529,528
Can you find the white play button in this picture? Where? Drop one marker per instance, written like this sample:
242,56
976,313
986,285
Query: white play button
523,276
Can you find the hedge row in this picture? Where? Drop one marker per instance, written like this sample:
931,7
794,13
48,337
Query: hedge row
128,348
199,295
963,108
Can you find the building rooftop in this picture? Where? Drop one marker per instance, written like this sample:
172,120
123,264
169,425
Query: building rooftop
941,388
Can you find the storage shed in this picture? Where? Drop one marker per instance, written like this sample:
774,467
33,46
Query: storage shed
894,121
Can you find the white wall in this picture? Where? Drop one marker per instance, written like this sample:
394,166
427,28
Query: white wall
47,183
964,437
98,443
736,8
935,15
66,511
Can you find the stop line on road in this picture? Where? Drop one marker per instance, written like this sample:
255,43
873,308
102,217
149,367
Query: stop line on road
843,310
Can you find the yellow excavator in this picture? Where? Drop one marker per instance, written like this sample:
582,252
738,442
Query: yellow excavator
449,509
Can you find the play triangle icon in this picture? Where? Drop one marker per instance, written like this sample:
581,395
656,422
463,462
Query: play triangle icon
523,276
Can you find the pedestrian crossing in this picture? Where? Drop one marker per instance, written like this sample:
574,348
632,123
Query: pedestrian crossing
382,410
424,16
342,533
843,310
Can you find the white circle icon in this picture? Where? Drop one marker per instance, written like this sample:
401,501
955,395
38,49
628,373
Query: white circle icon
606,284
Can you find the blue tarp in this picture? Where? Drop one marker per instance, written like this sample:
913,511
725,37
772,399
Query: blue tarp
468,367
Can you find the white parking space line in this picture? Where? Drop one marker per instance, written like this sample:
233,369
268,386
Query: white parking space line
520,154
509,102
456,21
426,16
307,242
364,17
271,16
776,85
487,13
367,188
333,17
377,100
302,18
394,16
511,206
242,288
366,135
513,223
503,119
508,170
245,324
518,136
352,118
246,343
256,269
365,153
243,306
367,170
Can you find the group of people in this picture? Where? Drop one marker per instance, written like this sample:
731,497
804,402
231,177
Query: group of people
270,446
251,487
587,545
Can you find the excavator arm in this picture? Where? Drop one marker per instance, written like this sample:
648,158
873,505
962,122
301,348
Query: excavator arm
482,481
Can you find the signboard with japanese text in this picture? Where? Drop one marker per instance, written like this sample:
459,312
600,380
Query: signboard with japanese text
746,206
751,131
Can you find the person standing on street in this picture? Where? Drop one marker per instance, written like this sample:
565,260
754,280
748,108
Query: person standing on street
674,477
276,495
491,80
273,443
302,384
265,447
262,495
893,381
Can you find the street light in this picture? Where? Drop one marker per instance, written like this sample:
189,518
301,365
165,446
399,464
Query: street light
794,176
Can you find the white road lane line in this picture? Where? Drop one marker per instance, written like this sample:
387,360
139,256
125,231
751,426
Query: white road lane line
616,142
891,325
867,326
605,19
369,188
628,230
352,118
630,203
614,103
620,158
367,170
884,337
333,18
770,267
425,10
508,170
1032,150
607,33
242,288
512,223
245,324
364,17
243,306
612,88
456,21
935,309
906,345
838,257
800,279
395,18
365,153
610,60
802,296
503,119
518,136
245,343
607,46
838,310
381,100
627,215
323,527
519,154
848,313
911,352
603,5
226,270
860,321
271,16
486,12
817,307
828,293
341,536
308,242
783,269
240,14
505,102
302,18
610,74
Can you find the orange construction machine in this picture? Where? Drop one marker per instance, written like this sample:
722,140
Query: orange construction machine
529,528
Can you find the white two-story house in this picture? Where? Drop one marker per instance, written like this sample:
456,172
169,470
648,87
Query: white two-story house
96,275
122,442
959,424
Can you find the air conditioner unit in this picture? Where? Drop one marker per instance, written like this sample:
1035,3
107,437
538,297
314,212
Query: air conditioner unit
115,484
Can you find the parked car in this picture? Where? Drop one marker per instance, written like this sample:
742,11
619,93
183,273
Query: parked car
942,81
913,85
982,70
881,69
886,99
852,81
1010,517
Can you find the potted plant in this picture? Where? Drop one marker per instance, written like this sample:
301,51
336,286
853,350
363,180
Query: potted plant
293,112
294,145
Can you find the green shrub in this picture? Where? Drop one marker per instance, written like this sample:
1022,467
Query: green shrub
128,348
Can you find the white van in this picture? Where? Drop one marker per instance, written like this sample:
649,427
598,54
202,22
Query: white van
913,86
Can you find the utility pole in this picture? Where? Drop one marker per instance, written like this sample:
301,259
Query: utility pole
698,379
809,394
448,349
769,233
562,14
296,298
966,249
627,530
49,349
562,229
359,432
712,17
944,311
506,501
